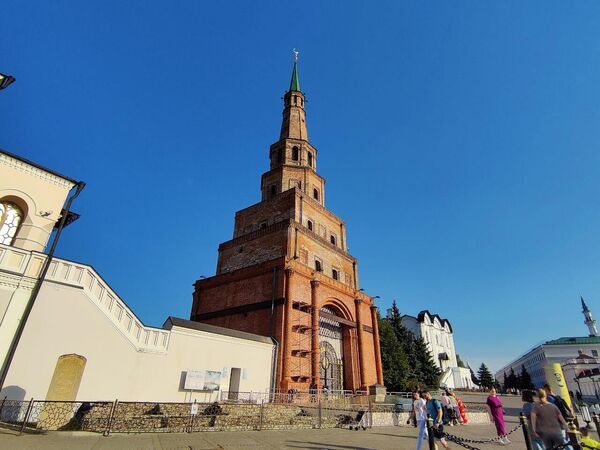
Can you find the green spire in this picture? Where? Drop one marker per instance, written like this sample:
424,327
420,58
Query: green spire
295,83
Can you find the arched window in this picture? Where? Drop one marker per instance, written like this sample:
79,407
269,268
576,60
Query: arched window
295,154
10,219
310,161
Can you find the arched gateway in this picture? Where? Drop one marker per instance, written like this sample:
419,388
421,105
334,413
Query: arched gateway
331,350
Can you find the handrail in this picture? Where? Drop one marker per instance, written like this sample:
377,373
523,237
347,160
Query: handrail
28,264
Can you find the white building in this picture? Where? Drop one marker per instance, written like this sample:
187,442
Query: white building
565,350
438,335
81,341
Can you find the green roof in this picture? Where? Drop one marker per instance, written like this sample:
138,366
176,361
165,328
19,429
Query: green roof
295,83
574,340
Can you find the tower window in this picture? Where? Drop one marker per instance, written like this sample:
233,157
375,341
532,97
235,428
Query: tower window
10,219
310,159
273,190
316,194
295,154
334,274
280,155
309,225
333,239
318,265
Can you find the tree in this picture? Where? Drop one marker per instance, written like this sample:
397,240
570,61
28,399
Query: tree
486,378
428,371
512,381
474,378
525,379
393,358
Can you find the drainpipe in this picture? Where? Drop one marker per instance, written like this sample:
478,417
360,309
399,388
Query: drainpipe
36,289
272,331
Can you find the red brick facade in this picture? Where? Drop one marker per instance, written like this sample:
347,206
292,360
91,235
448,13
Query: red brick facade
287,260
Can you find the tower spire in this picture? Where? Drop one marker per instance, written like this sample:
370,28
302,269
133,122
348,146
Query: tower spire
589,320
295,83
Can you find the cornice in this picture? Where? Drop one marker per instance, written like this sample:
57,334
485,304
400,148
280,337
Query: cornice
29,169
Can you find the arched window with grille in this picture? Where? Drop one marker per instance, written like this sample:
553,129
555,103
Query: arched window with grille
11,217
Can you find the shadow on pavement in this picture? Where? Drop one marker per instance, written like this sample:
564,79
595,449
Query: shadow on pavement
319,446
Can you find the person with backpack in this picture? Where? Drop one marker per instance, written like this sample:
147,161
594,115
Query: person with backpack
564,407
547,422
434,408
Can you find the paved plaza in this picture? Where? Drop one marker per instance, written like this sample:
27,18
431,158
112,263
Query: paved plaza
331,439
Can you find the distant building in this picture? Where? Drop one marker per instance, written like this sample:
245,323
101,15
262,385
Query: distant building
575,354
438,335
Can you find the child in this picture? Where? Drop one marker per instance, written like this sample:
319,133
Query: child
587,442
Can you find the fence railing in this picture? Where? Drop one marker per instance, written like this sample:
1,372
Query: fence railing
246,412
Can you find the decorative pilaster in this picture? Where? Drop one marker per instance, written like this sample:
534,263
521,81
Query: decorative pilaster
376,342
315,354
360,335
286,353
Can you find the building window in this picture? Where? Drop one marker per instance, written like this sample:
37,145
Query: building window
335,274
595,353
10,219
310,159
309,225
316,194
295,154
332,239
273,190
318,265
280,155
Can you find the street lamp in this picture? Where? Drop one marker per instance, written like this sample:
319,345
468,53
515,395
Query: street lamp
5,80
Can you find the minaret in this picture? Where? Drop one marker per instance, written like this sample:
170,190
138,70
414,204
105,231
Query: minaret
589,320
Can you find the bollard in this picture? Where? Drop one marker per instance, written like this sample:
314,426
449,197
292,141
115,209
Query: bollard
261,417
430,438
572,435
596,420
526,434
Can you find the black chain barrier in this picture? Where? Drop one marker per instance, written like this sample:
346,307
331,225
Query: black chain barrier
456,439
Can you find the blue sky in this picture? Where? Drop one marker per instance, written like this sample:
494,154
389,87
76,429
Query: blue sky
459,141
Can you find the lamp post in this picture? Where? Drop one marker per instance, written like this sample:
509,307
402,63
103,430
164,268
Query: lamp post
6,80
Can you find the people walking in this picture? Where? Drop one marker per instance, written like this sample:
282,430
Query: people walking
434,408
497,412
419,415
528,403
547,421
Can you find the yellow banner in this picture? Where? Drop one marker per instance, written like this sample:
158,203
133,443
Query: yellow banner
557,382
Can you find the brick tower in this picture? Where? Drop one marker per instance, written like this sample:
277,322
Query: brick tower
287,273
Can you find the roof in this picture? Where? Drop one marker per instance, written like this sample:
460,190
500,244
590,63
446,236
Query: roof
574,340
295,83
421,318
207,328
39,166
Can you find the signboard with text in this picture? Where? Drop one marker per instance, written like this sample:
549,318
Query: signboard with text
202,380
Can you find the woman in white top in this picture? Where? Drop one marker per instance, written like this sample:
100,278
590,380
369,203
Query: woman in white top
420,414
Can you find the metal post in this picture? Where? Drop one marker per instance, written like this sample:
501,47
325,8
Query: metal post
26,416
430,438
2,406
320,415
526,433
596,420
261,417
572,435
110,418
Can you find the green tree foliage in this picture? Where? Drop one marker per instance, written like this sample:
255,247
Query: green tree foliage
525,379
485,377
393,358
511,381
474,378
421,370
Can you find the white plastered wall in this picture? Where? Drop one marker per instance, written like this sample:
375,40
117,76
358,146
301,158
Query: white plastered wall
65,320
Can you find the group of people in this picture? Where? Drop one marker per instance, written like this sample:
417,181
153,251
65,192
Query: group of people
548,419
449,411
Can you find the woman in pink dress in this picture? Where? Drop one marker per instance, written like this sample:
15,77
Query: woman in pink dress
495,406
